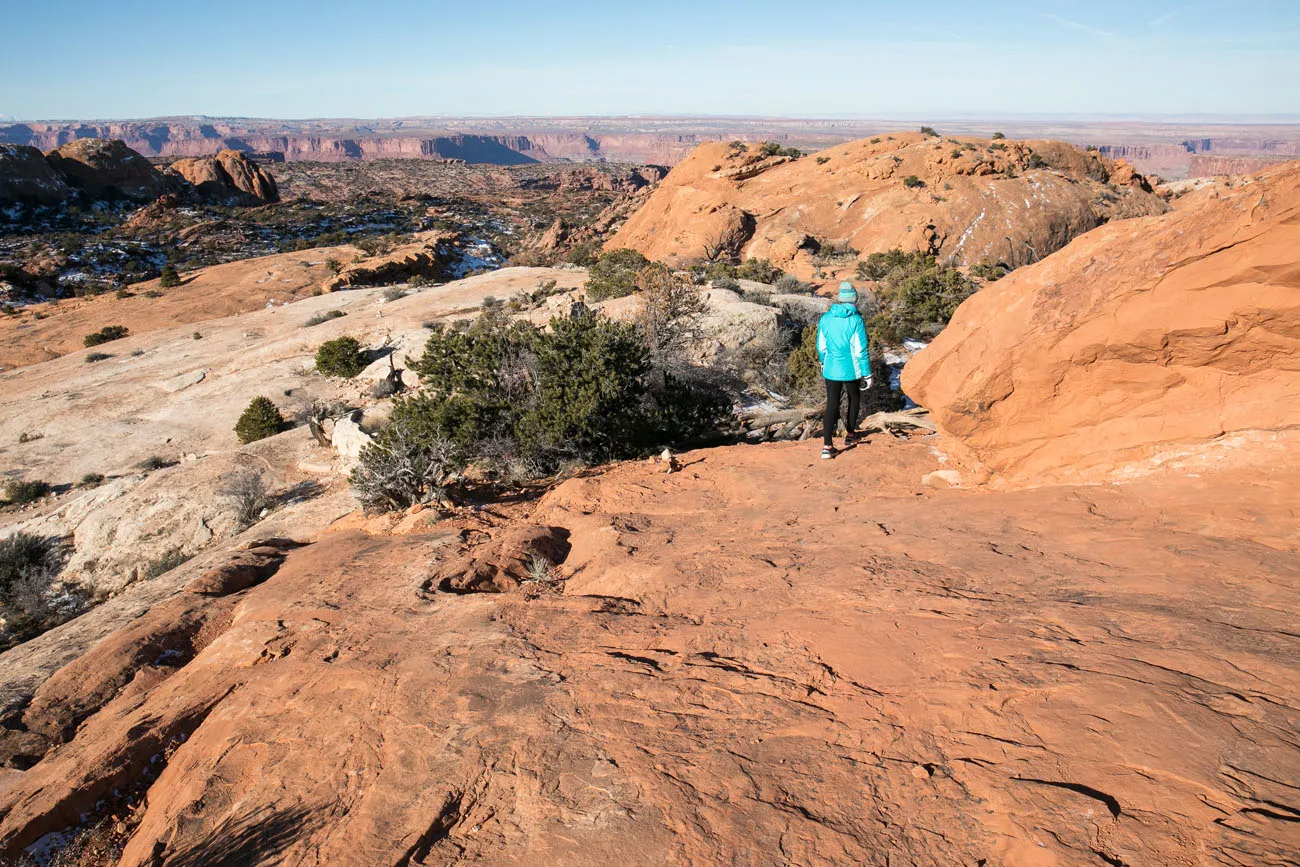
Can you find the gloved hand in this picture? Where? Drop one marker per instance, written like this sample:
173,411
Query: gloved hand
864,384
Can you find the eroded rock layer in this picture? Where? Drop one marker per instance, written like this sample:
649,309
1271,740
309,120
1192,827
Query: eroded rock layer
1167,340
760,659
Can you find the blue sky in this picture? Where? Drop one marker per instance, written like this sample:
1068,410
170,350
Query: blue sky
388,58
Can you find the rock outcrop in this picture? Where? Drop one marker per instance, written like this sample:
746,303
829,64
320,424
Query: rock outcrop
432,256
26,177
229,176
734,668
967,200
107,167
1166,340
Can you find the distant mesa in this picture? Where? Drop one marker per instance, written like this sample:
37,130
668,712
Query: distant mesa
1169,341
966,200
98,169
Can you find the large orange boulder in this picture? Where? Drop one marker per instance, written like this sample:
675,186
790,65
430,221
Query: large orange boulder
1171,340
228,176
968,200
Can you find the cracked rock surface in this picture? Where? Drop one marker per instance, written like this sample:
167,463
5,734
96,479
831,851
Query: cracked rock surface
761,659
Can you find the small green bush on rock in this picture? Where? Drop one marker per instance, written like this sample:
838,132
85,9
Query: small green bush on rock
20,493
341,357
170,277
258,421
614,274
105,334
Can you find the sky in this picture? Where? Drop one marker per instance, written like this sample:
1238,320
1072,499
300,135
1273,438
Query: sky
93,59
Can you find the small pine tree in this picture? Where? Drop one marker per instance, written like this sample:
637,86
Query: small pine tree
997,136
260,420
170,277
930,131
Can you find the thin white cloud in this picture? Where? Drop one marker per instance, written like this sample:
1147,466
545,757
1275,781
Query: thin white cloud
1076,25
1162,20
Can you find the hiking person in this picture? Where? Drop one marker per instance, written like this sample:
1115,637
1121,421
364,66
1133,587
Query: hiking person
842,349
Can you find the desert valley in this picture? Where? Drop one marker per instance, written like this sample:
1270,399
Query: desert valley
451,490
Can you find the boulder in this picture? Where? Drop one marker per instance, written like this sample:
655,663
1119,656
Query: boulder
348,438
230,176
1168,340
502,564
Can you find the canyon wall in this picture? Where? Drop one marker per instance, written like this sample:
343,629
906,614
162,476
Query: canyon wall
198,139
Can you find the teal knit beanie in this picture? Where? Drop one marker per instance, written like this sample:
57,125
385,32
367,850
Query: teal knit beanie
848,295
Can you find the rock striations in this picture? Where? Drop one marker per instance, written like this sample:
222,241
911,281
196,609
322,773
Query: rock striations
967,200
1167,339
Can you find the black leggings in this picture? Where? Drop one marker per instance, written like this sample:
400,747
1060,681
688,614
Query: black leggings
833,391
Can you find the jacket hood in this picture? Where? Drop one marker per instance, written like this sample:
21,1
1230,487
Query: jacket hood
842,311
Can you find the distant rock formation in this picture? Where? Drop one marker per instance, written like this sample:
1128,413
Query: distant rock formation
966,200
228,176
104,167
1167,341
25,176
98,169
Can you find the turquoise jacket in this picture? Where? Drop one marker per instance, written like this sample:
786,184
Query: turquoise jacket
842,344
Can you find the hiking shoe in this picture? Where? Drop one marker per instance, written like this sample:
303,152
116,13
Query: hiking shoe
828,452
853,439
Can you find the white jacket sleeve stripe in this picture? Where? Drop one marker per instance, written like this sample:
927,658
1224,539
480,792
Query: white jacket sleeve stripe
857,351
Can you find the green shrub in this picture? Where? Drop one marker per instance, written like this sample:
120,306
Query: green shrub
259,420
821,161
319,318
614,274
929,131
341,357
409,461
334,266
726,283
917,295
19,492
720,271
170,277
153,462
584,254
92,357
769,148
912,182
121,293
584,388
1036,161
803,364
997,136
989,271
166,562
20,555
92,480
758,270
792,285
106,334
